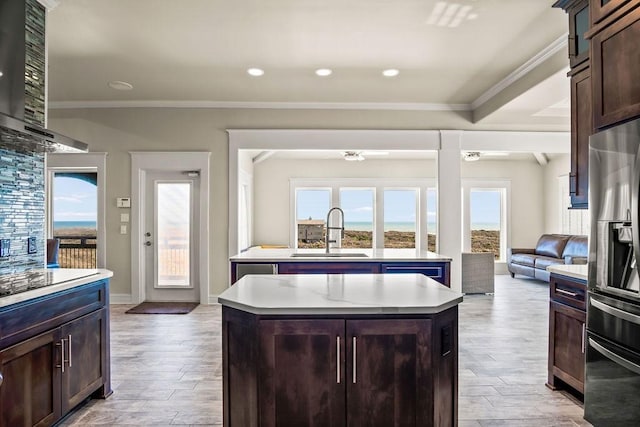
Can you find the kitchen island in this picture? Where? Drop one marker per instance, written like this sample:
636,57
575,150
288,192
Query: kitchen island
340,261
54,343
340,349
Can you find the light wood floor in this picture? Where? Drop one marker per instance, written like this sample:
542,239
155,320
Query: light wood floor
166,369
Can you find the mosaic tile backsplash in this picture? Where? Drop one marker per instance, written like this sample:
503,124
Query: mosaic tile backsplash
22,201
34,73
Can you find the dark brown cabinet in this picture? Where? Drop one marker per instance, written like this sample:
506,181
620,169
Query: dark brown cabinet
30,391
46,374
615,66
581,129
578,25
567,333
340,370
600,9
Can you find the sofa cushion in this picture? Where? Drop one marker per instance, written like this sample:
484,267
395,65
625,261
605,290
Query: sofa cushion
542,262
577,246
551,245
524,259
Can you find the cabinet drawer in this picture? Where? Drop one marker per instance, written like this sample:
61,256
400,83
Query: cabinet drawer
600,9
328,268
29,318
568,291
435,270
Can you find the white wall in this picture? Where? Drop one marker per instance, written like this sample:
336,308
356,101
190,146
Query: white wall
556,167
271,180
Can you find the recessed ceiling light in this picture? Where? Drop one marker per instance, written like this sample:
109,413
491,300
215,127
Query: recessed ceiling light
255,72
323,72
1,73
391,72
118,85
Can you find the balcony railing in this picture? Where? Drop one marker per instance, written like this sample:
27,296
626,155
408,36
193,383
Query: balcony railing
77,252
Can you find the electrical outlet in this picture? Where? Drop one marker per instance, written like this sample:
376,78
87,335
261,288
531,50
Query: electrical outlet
5,248
31,245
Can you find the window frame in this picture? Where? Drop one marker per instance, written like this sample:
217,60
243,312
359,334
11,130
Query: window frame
421,185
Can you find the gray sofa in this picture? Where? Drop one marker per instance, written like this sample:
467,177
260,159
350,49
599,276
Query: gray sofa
551,249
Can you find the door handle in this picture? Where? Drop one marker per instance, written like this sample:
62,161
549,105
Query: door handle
338,359
616,312
567,293
1,379
584,331
69,355
354,359
614,357
61,345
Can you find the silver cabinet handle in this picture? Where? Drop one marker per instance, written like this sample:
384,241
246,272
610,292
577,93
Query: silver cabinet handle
1,379
338,359
614,357
565,292
615,311
61,345
354,359
584,330
69,360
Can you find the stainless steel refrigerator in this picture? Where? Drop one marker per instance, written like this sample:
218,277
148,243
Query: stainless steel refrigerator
612,381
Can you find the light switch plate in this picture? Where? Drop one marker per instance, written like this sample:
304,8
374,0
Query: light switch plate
123,229
123,202
31,245
124,217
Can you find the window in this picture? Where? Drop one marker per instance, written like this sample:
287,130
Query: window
400,218
432,218
358,207
378,213
573,221
484,225
312,206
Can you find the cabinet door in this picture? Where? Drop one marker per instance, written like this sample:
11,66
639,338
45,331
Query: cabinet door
581,129
578,25
600,9
302,373
389,373
566,345
83,341
436,270
328,268
615,69
29,394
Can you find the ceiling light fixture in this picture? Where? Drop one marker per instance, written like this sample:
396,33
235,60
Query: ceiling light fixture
391,72
1,74
323,72
353,156
255,72
471,156
119,85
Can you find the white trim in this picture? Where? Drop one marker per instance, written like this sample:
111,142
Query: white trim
120,299
514,141
169,161
49,4
75,162
531,64
392,106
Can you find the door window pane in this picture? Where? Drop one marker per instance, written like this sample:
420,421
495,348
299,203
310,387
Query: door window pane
173,234
358,206
486,220
312,206
432,219
75,207
400,218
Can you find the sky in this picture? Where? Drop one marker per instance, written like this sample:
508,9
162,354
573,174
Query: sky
74,200
399,205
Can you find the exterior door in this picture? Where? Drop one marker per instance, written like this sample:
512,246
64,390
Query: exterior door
171,236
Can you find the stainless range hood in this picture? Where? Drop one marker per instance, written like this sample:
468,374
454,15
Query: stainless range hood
51,141
22,73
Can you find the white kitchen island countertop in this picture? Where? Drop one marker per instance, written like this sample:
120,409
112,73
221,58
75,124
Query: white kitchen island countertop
320,294
577,271
258,254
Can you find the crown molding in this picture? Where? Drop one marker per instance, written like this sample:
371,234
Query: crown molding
523,70
406,106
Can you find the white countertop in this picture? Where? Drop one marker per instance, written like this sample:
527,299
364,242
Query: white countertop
577,271
15,288
339,294
373,255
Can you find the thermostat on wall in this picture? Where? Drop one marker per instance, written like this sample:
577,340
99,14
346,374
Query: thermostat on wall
123,202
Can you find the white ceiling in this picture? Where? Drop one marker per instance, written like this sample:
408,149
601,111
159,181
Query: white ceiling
455,54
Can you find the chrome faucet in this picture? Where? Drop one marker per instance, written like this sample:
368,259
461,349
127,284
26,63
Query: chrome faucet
329,228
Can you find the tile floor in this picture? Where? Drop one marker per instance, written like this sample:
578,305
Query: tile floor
166,369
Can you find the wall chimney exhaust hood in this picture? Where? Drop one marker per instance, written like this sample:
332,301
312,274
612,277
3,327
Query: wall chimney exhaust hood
22,75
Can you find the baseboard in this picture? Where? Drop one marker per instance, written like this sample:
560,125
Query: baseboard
213,299
120,299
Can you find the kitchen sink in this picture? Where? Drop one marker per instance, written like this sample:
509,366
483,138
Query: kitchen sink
328,255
